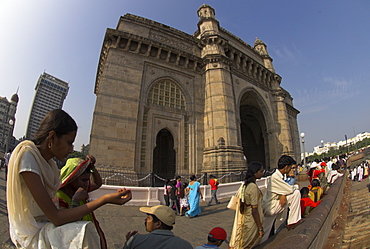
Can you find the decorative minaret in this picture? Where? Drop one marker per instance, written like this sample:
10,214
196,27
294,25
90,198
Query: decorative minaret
280,96
222,149
261,48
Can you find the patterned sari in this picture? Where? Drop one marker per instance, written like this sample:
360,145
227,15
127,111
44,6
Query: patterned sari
74,168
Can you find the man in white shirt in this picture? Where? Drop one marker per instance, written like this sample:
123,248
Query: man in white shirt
280,196
334,174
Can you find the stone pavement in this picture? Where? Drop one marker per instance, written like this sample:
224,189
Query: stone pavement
4,232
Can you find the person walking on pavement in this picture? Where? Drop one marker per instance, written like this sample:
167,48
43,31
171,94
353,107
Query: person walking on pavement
194,198
214,186
159,223
7,159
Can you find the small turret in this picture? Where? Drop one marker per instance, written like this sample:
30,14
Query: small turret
261,48
207,25
205,11
15,98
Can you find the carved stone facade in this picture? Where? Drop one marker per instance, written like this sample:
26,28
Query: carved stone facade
169,102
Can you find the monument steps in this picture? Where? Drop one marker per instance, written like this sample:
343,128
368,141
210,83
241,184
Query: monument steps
357,230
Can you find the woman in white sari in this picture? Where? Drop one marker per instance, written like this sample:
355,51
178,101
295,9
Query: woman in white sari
33,181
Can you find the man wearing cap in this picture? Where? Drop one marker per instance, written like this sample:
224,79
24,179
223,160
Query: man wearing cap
159,223
215,238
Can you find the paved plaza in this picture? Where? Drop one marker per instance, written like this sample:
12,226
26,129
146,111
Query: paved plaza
116,221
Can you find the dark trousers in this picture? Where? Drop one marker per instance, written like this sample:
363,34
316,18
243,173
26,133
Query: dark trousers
213,196
167,200
176,204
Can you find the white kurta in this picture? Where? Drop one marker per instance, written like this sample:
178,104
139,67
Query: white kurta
271,202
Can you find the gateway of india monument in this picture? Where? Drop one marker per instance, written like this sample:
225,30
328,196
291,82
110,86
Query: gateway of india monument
172,103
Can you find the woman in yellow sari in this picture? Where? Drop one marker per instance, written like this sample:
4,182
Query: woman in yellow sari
247,229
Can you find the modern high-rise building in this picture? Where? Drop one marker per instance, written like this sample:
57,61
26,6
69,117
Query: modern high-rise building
7,121
50,94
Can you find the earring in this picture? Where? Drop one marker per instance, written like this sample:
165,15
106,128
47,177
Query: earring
50,145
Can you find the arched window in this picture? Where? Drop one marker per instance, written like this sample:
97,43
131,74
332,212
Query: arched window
167,93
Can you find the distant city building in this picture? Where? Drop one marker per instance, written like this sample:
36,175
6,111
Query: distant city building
50,94
326,147
7,121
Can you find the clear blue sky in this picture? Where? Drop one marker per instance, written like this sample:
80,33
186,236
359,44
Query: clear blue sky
320,48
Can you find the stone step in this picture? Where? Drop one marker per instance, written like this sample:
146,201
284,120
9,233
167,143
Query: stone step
357,230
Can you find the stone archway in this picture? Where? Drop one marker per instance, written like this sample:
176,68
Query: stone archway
164,155
255,124
253,133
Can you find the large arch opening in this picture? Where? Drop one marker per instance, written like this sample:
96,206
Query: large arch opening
164,156
252,135
253,129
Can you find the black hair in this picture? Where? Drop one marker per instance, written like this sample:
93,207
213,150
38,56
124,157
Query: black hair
164,226
56,120
193,177
213,240
167,181
253,168
304,191
178,177
335,166
284,161
315,183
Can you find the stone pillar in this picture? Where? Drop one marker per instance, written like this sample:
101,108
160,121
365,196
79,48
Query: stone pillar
284,133
222,151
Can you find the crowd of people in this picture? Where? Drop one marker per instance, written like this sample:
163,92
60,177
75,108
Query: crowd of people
359,172
44,202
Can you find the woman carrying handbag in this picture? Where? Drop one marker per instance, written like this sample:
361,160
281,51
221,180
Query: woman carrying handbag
247,229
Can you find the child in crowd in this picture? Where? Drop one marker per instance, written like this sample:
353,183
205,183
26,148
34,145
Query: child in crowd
316,191
78,178
183,199
173,197
290,177
215,238
166,192
307,202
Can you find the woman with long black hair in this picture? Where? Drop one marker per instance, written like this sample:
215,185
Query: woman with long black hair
33,181
247,229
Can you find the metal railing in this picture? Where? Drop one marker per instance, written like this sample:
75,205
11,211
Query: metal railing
122,177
